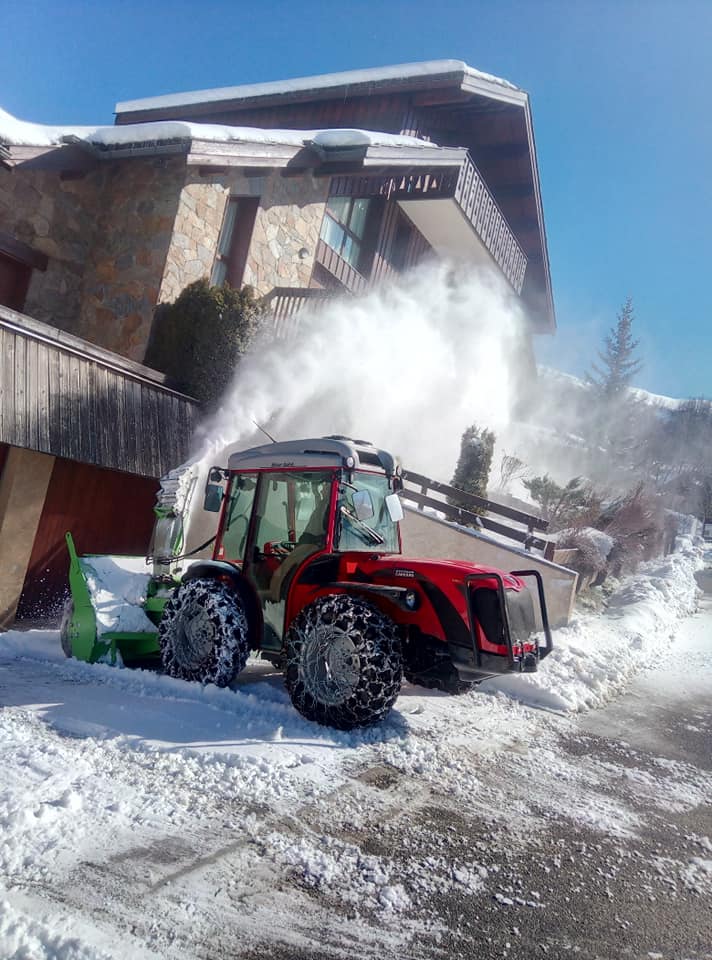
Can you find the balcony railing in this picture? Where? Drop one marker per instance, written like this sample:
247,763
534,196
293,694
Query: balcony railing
467,187
347,276
284,304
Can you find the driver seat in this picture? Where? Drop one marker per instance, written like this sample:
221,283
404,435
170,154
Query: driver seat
282,575
311,541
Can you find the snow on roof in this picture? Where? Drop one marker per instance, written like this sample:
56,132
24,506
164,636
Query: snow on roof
21,133
400,71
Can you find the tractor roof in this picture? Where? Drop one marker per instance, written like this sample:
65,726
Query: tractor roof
317,452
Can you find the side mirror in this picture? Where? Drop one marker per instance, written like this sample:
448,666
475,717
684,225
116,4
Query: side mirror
394,507
213,497
363,505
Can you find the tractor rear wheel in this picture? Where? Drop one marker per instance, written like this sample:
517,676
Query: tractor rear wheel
344,662
203,633
427,663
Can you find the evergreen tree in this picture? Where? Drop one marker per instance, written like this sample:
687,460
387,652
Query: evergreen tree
618,362
474,463
615,413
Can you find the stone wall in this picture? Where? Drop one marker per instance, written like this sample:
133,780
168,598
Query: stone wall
55,217
134,224
288,221
135,232
201,209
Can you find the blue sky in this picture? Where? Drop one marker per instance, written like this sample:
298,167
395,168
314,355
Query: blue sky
620,99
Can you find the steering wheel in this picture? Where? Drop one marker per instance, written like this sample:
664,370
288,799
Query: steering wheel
278,547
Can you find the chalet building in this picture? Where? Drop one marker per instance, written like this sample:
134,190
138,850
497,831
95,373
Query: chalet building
303,189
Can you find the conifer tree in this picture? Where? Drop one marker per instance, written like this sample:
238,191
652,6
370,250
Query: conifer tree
615,413
618,362
474,463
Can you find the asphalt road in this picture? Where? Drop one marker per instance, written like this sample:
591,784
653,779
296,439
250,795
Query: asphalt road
595,842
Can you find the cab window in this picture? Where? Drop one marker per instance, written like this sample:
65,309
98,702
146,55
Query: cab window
237,519
377,532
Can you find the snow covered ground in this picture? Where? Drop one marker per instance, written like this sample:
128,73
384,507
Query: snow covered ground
146,817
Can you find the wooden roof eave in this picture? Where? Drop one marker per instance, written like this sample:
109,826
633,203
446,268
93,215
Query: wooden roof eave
231,153
175,106
540,217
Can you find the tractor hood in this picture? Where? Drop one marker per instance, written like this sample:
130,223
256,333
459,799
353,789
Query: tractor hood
402,569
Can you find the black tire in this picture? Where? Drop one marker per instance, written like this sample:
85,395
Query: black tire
344,662
427,663
65,634
203,633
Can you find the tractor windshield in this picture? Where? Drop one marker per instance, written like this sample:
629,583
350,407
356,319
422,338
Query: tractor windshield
363,521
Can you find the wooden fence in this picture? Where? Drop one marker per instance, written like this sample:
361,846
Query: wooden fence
460,507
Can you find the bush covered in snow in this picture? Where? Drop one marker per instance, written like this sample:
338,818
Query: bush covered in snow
593,547
636,521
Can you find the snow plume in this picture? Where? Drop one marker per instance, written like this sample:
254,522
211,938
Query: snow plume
408,367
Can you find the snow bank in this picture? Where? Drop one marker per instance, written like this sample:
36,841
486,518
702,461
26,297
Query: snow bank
27,938
595,656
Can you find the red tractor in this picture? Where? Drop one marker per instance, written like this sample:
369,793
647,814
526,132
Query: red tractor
307,569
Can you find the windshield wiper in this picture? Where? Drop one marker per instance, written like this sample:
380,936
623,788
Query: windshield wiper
361,525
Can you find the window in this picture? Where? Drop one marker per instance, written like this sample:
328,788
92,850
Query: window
379,532
17,261
237,520
292,508
344,229
400,244
14,281
234,242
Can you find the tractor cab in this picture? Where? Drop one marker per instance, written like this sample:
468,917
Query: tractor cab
284,505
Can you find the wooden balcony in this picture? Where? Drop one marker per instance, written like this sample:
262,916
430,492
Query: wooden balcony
465,188
284,304
342,271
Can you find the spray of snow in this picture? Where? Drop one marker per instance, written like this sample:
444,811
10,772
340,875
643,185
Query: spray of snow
408,366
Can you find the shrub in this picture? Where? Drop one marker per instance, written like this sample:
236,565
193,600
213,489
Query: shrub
198,340
593,549
636,522
570,505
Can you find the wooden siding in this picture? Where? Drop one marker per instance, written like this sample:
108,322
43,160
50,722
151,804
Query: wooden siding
106,511
63,396
386,112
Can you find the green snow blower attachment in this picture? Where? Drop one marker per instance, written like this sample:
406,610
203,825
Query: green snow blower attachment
98,613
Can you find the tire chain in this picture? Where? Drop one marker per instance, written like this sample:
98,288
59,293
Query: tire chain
378,646
224,609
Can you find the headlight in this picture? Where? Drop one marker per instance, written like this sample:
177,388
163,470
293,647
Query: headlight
411,599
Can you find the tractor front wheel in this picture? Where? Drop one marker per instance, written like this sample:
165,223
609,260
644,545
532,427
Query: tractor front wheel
344,662
203,633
